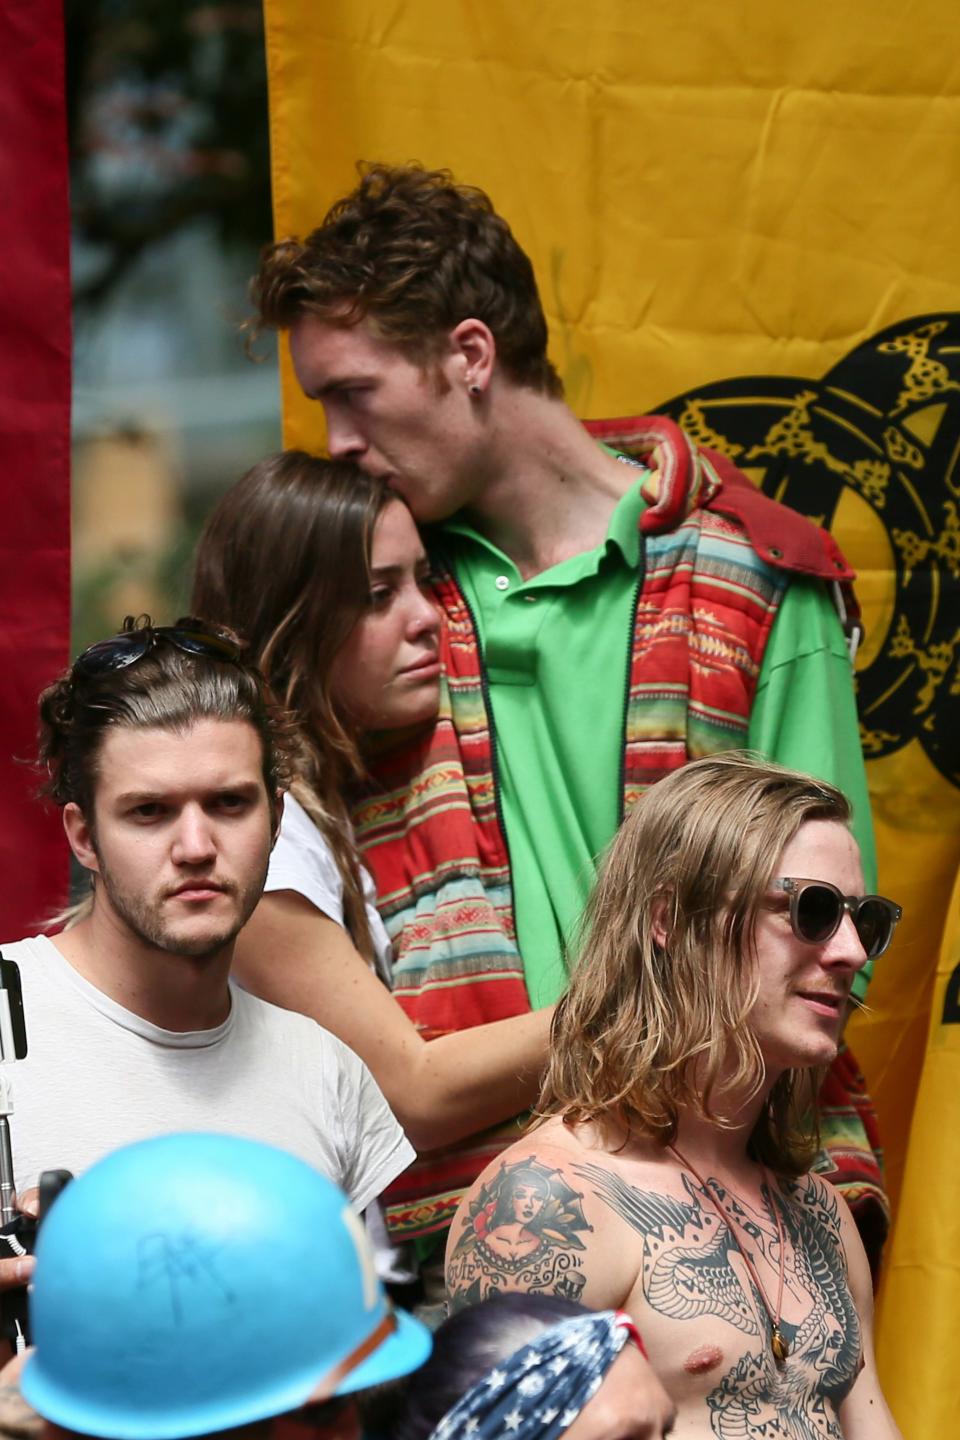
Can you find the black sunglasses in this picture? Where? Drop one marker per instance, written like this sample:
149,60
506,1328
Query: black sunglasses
817,908
192,636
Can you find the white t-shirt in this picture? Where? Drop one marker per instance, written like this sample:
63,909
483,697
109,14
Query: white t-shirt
97,1076
301,861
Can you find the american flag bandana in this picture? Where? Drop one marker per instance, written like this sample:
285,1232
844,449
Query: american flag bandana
537,1392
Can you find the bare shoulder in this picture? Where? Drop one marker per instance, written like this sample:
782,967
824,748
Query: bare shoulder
821,1214
816,1190
540,1218
521,1225
833,1220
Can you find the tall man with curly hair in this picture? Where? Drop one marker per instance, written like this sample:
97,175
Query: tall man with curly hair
720,947
613,609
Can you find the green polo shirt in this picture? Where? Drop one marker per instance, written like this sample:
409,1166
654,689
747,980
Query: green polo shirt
556,652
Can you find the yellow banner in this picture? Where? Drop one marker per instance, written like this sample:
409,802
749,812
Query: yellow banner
746,214
922,1290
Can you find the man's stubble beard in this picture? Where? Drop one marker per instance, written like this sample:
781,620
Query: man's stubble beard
144,919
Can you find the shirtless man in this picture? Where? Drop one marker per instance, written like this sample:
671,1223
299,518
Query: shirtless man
720,947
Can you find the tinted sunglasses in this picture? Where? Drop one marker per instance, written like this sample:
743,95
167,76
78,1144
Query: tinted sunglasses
192,636
817,909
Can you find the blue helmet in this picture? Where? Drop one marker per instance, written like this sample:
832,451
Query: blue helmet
194,1283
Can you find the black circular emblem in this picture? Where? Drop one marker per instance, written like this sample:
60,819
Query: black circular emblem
884,423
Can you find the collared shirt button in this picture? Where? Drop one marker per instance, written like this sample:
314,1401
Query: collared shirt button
502,582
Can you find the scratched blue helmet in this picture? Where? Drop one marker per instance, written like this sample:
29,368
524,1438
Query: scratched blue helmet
194,1283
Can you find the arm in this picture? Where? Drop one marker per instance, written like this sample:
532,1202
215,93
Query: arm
531,1205
496,1245
294,956
864,1415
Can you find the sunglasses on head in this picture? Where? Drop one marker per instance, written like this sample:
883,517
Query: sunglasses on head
817,909
192,636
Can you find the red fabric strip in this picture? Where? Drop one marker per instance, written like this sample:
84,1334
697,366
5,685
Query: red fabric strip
34,443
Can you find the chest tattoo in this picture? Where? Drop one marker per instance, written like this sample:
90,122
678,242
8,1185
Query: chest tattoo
688,1271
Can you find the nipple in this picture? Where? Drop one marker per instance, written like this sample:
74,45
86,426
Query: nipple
707,1357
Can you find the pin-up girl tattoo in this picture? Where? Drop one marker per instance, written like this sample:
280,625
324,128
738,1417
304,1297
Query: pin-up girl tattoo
521,1233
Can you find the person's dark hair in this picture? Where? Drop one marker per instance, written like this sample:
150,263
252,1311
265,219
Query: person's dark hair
167,689
414,253
465,1348
284,560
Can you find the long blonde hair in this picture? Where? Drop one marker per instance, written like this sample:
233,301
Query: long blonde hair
653,1025
284,559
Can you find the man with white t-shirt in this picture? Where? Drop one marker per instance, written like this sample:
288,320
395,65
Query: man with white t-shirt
168,757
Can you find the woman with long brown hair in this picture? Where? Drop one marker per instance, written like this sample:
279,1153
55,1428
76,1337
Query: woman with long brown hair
320,568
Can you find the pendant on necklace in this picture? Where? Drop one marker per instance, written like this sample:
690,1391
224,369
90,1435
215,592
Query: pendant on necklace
779,1346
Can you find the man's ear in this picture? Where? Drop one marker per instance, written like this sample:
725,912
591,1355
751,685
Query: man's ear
473,351
80,836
